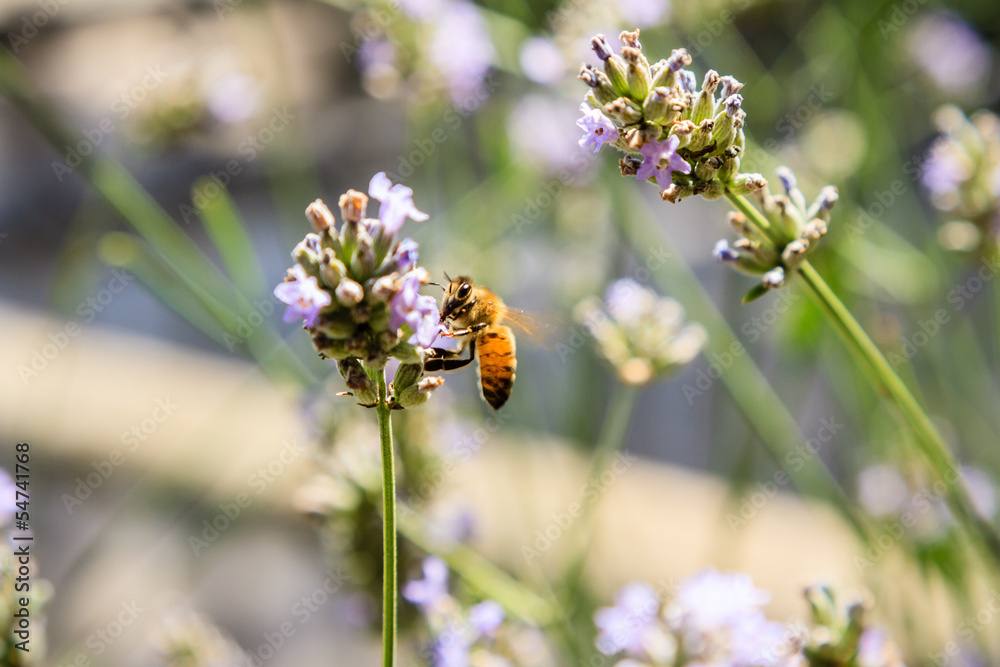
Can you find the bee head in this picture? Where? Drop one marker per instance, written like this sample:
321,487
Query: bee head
458,297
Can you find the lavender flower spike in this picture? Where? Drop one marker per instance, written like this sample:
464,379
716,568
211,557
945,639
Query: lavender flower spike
303,296
661,160
597,128
397,203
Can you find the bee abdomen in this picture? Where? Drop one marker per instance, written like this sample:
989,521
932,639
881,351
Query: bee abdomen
497,364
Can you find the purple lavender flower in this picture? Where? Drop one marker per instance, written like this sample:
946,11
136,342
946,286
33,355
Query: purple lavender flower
625,626
462,51
8,497
661,159
410,307
757,642
406,254
303,296
711,599
597,128
428,591
486,617
397,203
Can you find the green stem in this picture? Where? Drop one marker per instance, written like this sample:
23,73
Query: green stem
609,444
390,579
942,463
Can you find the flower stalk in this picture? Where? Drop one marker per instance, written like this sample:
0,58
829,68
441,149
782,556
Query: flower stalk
886,381
390,580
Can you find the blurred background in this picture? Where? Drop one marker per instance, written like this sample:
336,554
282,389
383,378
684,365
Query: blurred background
181,449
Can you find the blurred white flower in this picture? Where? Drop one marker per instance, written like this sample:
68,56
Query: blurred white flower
882,490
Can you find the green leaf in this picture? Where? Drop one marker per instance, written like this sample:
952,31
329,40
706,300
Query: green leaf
755,293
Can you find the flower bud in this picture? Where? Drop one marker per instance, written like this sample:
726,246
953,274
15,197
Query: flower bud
624,110
337,325
730,86
330,348
307,253
730,167
416,394
679,58
349,292
636,73
787,216
617,72
762,254
656,104
363,258
709,189
701,138
599,84
406,376
705,104
813,230
601,46
353,205
706,170
774,278
744,184
824,202
358,381
331,269
661,74
320,217
385,287
793,253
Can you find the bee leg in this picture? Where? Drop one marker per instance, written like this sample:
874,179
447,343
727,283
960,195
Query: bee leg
475,328
445,360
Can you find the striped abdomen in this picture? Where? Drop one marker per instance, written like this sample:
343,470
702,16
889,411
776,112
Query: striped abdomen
497,364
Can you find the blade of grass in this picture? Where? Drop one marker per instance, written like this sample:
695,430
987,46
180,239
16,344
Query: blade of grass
225,227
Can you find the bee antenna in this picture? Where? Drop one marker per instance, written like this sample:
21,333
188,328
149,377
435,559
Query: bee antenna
437,285
446,276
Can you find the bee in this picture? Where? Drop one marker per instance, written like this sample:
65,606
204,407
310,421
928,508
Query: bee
476,316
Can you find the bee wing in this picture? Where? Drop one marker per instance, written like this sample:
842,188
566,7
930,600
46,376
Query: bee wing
542,329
